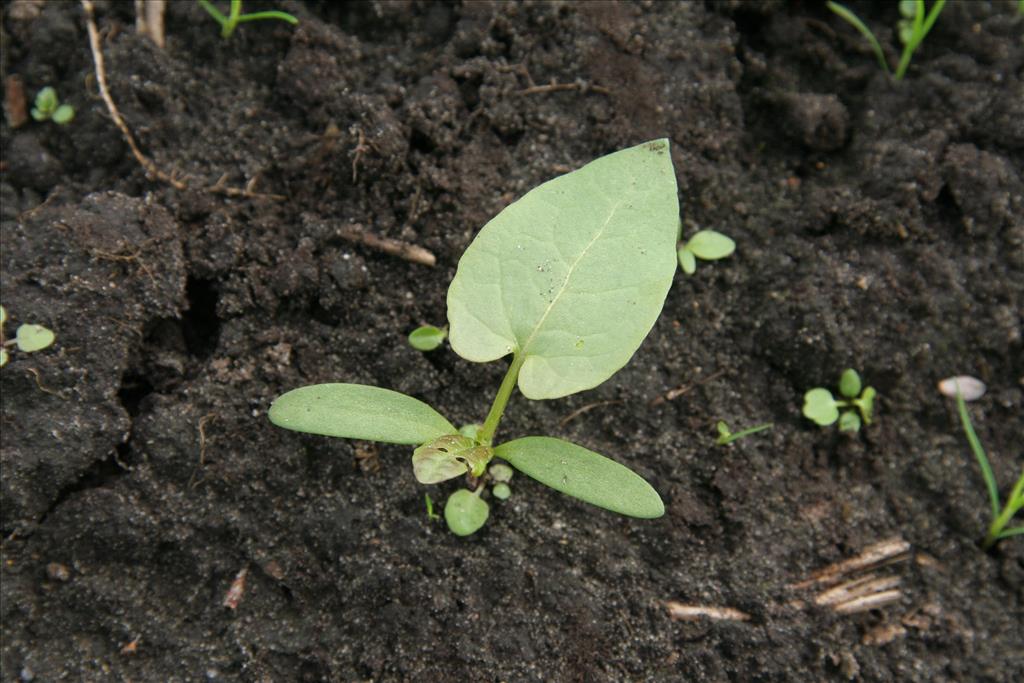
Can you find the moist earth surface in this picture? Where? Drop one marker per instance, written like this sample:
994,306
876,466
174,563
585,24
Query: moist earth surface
156,526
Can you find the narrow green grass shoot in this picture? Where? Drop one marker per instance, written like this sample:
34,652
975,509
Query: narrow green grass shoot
1001,514
235,17
725,436
912,28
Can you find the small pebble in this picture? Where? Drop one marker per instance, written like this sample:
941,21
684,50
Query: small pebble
58,572
971,388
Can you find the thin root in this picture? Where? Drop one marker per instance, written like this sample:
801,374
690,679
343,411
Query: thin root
680,612
152,170
403,250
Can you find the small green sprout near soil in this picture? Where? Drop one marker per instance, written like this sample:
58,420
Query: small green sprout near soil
28,338
824,409
48,108
235,17
1001,514
706,245
586,261
912,28
430,507
726,436
427,337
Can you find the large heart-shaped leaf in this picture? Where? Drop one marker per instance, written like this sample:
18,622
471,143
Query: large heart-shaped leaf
583,474
358,411
572,276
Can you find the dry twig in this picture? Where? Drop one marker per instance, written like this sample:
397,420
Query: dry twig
889,550
403,250
115,114
681,612
149,19
147,164
673,394
579,411
553,86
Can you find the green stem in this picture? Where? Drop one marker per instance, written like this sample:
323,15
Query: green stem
486,433
270,14
922,26
979,454
1013,504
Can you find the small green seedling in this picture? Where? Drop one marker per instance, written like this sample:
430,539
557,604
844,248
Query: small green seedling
28,338
427,337
48,108
235,16
501,475
430,507
706,245
1001,514
567,281
726,437
912,29
824,409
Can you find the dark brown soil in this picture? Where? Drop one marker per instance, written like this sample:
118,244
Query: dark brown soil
880,225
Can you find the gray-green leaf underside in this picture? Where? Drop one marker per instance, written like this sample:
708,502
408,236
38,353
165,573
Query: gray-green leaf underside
583,474
358,411
573,275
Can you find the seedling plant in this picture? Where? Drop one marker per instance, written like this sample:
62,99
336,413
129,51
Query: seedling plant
1001,514
566,282
48,108
706,245
28,338
912,28
726,436
427,337
824,409
235,17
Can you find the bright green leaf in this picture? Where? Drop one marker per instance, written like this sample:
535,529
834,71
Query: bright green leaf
849,422
357,411
3,357
3,315
820,406
572,276
447,457
63,115
45,104
465,512
710,245
583,474
849,383
687,261
866,404
33,337
501,491
427,338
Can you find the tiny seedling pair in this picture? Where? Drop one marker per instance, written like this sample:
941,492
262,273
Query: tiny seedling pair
28,338
823,408
915,23
48,108
427,337
706,245
567,282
